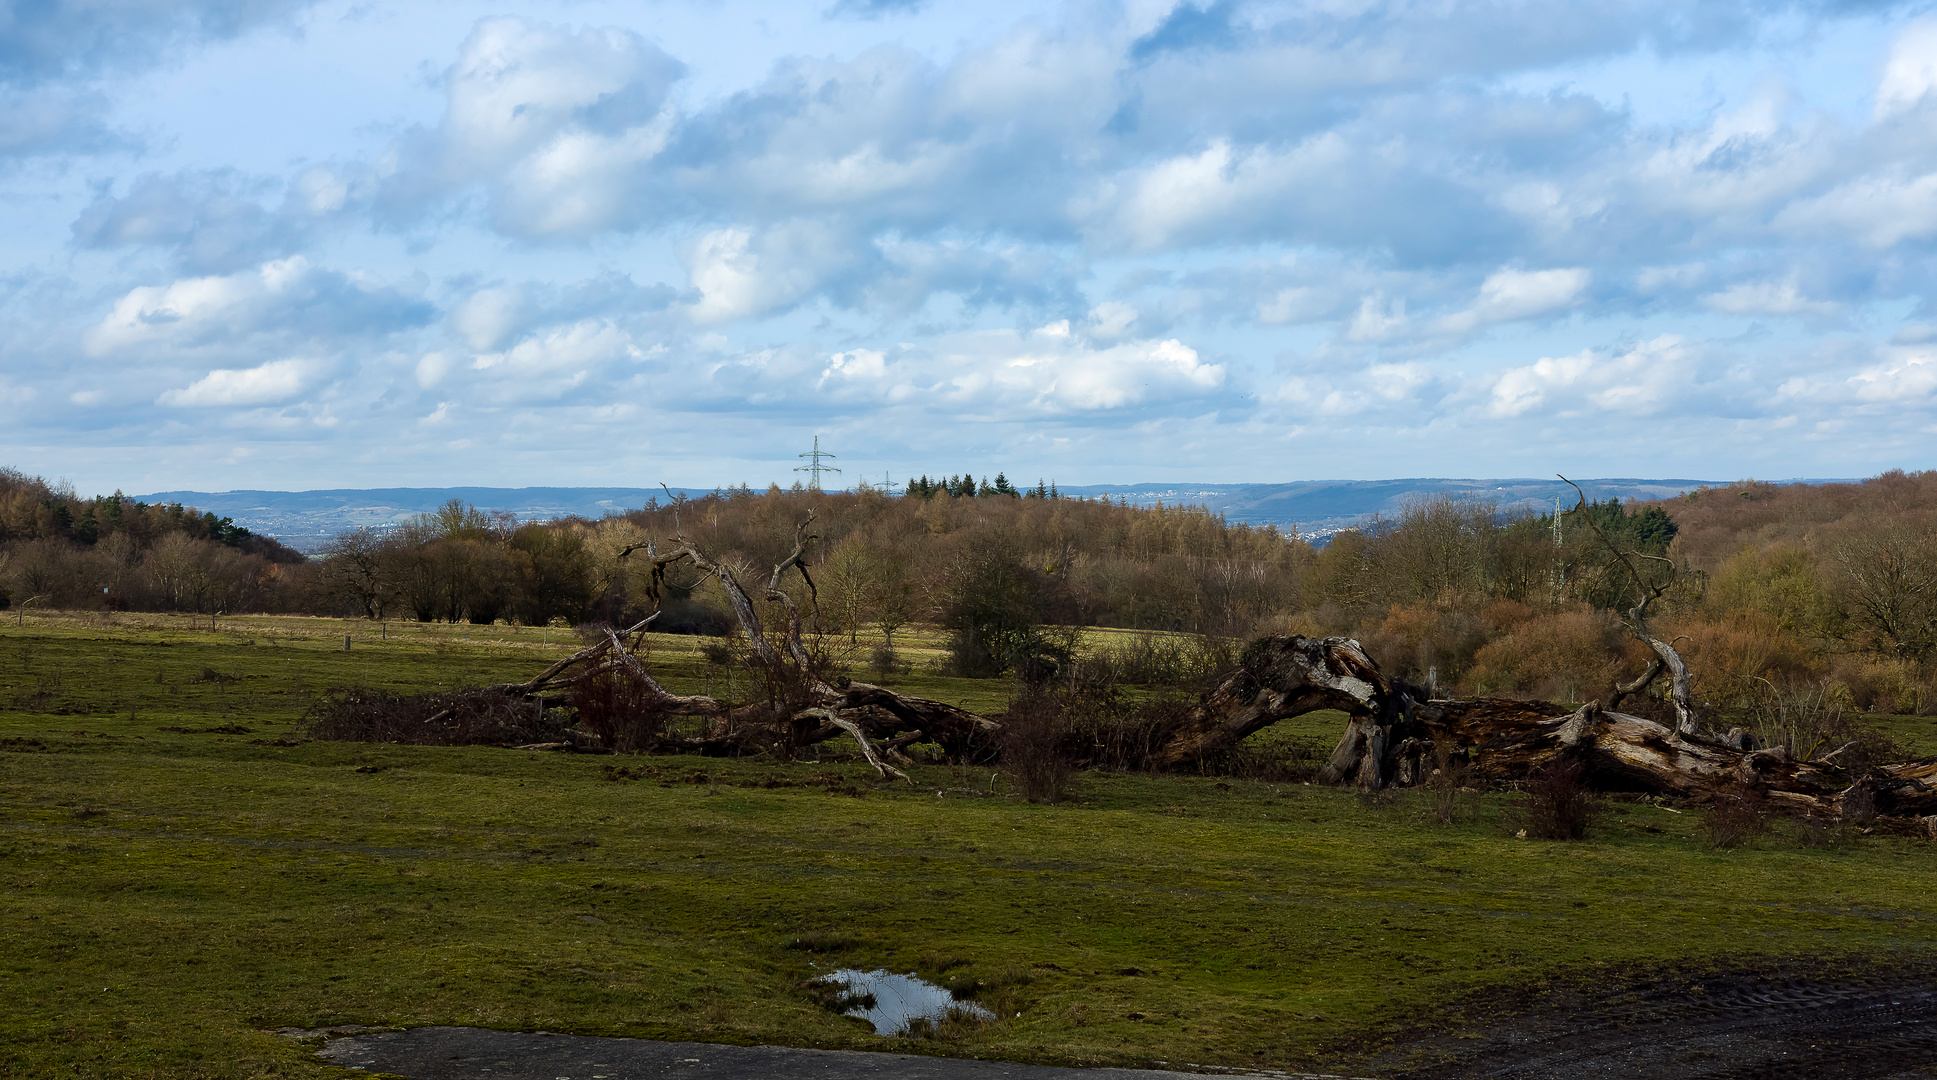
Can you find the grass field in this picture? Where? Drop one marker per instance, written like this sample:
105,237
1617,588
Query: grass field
180,871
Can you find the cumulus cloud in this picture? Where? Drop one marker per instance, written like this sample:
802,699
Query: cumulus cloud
1387,388
1638,381
280,297
556,123
265,384
1909,68
1509,295
573,349
214,220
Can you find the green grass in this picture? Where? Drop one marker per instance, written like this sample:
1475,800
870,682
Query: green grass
166,897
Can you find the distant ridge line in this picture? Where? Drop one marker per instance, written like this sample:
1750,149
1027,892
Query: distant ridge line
1315,508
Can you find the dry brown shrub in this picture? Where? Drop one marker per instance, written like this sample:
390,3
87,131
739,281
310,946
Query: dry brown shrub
1505,616
1428,643
618,709
1734,819
1556,803
446,718
1567,656
1732,659
1883,686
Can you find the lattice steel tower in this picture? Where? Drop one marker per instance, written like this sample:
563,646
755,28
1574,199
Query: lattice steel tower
814,468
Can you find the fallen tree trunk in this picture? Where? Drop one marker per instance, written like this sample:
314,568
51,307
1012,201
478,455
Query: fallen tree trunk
1394,736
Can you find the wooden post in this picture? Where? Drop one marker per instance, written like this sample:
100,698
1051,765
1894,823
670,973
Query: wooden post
346,643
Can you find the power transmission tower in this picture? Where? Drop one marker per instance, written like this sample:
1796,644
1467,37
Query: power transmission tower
888,486
1556,576
814,468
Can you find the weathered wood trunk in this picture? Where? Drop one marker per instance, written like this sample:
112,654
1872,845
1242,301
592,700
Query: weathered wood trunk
1392,736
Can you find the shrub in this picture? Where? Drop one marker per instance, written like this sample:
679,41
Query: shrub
1883,686
1733,660
441,718
1733,820
617,709
1556,803
1800,718
1430,644
1033,752
1159,660
1567,656
1448,777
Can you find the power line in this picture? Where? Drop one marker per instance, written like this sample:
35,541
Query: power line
814,468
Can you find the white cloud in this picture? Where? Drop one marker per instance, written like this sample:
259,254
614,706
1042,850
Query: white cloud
1641,380
277,380
176,310
1880,211
1378,319
742,275
573,351
856,364
1376,388
432,368
1509,295
488,317
1766,298
1909,68
282,298
1905,377
1056,372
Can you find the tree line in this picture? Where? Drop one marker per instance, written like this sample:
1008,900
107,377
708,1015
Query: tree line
58,550
1832,586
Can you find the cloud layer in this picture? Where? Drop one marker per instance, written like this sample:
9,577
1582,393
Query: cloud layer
1244,241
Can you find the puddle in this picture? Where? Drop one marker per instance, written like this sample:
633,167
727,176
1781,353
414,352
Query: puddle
890,1001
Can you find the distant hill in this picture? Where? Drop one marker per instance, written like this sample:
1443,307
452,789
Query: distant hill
1316,508
305,520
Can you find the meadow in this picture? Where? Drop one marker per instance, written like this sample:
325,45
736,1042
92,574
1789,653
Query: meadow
183,871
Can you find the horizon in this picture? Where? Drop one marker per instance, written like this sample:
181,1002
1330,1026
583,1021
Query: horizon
333,244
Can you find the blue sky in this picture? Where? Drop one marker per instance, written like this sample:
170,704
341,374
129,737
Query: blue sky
284,244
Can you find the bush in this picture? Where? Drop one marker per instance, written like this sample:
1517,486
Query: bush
617,709
1033,752
1883,687
1801,719
1733,820
1568,656
442,718
1447,779
1159,660
1556,803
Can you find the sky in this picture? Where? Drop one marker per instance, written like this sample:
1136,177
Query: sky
287,244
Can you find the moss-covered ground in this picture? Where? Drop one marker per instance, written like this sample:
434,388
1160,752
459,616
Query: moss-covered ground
180,872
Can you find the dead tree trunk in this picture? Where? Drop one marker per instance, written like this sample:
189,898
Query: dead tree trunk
1393,735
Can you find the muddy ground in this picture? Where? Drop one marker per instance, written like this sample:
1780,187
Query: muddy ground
1864,1022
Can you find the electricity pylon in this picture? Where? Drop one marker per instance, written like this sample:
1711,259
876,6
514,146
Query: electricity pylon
814,468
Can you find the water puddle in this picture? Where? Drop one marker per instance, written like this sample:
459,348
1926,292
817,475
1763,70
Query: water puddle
897,1004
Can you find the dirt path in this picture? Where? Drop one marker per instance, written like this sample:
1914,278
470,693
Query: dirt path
1868,1025
1871,1026
453,1053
